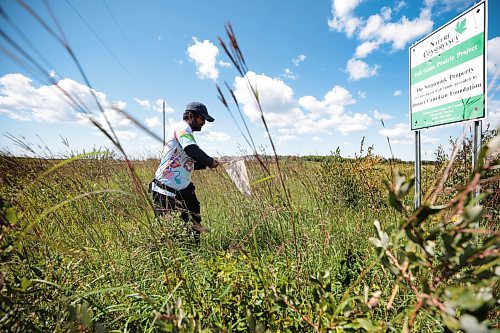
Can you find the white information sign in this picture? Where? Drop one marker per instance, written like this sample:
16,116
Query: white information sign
448,72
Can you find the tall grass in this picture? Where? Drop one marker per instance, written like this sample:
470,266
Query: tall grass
82,250
92,262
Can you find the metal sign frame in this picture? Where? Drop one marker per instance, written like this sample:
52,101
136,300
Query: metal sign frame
477,136
447,72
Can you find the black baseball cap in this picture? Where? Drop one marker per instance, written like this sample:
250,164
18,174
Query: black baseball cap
201,109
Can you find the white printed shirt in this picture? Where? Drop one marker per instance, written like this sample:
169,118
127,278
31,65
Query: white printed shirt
176,167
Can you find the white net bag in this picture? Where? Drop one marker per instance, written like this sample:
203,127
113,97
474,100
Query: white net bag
237,170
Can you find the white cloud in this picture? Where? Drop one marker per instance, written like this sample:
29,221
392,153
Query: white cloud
343,123
121,134
339,95
381,116
427,139
399,135
400,5
21,100
120,105
298,60
152,122
317,139
333,104
358,69
204,55
397,93
115,118
275,96
145,104
494,57
15,115
214,136
289,74
343,16
305,115
399,130
156,106
126,135
386,13
224,64
285,130
379,30
402,135
362,94
443,6
281,139
363,50
493,113
344,8
53,75
357,122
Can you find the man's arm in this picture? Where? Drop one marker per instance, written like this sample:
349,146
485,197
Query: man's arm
202,160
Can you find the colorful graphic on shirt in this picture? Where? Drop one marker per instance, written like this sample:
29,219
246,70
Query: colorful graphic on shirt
176,166
184,137
189,165
175,162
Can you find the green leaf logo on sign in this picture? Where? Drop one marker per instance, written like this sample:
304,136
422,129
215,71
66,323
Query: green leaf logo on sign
460,28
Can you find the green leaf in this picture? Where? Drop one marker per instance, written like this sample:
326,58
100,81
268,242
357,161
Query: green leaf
402,185
260,328
376,242
430,246
426,211
470,324
11,215
472,301
251,321
262,180
225,291
100,328
84,315
367,325
395,202
461,27
450,322
406,186
473,213
25,283
383,238
493,146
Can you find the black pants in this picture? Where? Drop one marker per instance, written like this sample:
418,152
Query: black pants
185,202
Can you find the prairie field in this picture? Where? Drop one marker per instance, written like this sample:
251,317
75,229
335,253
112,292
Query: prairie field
323,243
83,251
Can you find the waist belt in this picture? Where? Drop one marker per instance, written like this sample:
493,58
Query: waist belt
165,187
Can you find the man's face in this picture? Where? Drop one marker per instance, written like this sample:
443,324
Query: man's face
196,122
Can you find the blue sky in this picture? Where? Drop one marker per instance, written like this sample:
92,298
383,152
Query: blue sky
326,71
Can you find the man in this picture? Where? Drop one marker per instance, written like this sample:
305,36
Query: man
172,188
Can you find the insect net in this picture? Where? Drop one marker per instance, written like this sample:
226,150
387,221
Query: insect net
237,171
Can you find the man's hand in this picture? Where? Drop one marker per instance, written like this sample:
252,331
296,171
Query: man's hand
215,164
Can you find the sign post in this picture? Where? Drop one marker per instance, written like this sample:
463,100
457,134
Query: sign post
418,168
476,146
448,76
163,122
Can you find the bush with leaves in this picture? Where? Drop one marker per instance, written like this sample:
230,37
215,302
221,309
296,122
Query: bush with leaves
443,254
351,181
